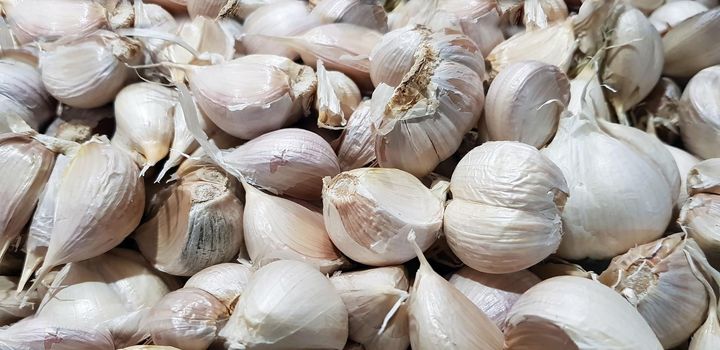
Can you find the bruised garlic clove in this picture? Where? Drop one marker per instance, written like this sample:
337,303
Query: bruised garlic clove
689,47
22,92
505,212
704,177
657,278
89,72
369,297
593,316
287,304
671,14
226,281
357,142
368,211
700,217
278,228
365,13
512,113
700,124
493,294
337,97
49,20
284,18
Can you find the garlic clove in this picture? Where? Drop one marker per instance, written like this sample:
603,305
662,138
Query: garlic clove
685,161
671,14
646,6
704,177
337,97
13,308
49,20
390,60
540,14
22,92
175,6
33,333
206,8
151,16
700,217
554,267
587,94
357,142
226,281
686,48
700,122
207,37
365,13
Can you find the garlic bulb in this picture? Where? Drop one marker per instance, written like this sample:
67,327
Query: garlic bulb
32,333
187,317
337,97
524,103
25,164
278,228
700,217
593,317
688,47
357,141
629,197
493,294
49,20
539,14
206,36
12,307
368,212
505,212
287,304
258,94
365,13
226,282
369,297
685,161
284,18
441,317
700,124
22,92
704,177
89,72
672,13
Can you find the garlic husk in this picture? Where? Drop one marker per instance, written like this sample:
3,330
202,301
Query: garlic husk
278,228
206,8
657,278
540,14
89,72
32,333
365,13
259,94
47,20
514,114
587,94
593,317
284,18
12,307
80,125
22,93
336,99
505,212
357,141
661,111
368,211
288,305
26,167
187,317
700,217
493,294
441,317
688,47
671,14
207,37
369,297
618,194
704,177
151,16
685,161
226,281
700,124
593,23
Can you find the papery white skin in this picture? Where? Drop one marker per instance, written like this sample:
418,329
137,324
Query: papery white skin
357,142
206,8
226,281
52,19
587,94
685,161
700,217
151,16
700,124
704,177
23,94
687,46
288,304
237,32
172,5
12,307
707,337
284,18
539,14
672,13
336,99
33,333
365,13
204,35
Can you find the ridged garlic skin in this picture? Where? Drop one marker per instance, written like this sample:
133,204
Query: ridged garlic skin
700,124
357,141
23,94
226,281
52,19
687,48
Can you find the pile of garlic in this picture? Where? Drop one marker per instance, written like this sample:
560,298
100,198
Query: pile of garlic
359,174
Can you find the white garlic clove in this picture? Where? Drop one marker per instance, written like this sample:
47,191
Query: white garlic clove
392,56
673,13
151,16
539,14
207,37
357,141
288,304
646,6
587,95
704,177
700,217
175,6
33,333
336,99
524,103
700,122
206,8
22,92
591,23
226,281
365,13
689,47
278,228
12,307
367,212
685,161
49,20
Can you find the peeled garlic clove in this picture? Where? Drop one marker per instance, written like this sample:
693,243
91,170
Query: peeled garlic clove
48,20
288,304
671,14
89,72
593,317
514,114
337,97
365,13
226,281
278,228
700,124
689,47
12,307
206,36
493,294
704,177
700,217
657,278
187,317
685,161
634,64
369,296
285,18
26,165
539,14
257,94
357,142
368,211
621,218
22,92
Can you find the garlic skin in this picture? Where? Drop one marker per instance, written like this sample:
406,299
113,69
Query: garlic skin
22,92
505,212
587,95
151,16
700,217
539,14
259,94
368,212
226,281
685,161
288,304
512,113
278,228
534,323
89,72
26,165
671,14
622,216
32,333
284,18
48,20
187,317
700,124
493,294
207,37
336,99
686,48
364,13
357,141
704,177
206,8
12,307
176,6
369,296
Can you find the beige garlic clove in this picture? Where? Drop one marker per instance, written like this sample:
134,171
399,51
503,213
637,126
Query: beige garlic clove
357,141
688,47
671,14
493,294
593,317
22,92
369,297
258,94
278,228
207,37
288,304
704,177
700,217
685,161
337,97
89,72
700,124
368,212
539,14
226,281
53,19
365,13
524,103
